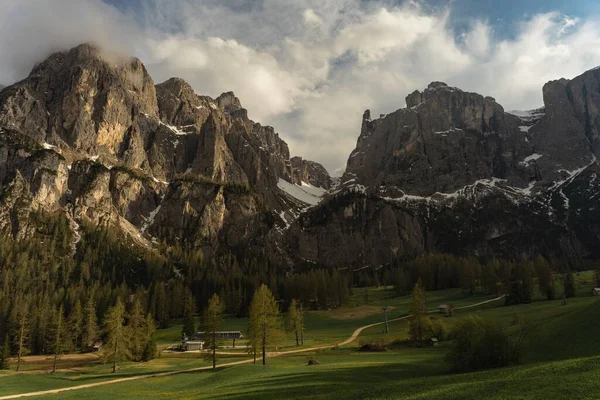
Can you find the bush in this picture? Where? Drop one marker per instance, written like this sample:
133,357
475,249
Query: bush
439,330
150,351
482,344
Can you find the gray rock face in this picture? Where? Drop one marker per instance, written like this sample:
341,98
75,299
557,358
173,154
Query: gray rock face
455,173
88,133
310,172
444,140
85,99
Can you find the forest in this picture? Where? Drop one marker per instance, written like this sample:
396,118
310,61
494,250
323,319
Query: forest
45,280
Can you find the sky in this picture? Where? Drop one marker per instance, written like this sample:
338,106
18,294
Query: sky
310,68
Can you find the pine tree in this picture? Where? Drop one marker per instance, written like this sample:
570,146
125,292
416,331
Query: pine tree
213,319
293,321
418,311
116,348
58,336
264,328
90,329
137,330
569,285
545,278
5,354
189,328
22,332
150,350
76,326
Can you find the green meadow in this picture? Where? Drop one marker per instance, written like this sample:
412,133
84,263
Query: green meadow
563,347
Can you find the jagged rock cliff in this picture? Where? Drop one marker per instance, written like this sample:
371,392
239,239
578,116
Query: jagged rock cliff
453,172
89,134
310,172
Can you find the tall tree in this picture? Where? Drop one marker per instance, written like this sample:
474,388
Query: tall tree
117,343
264,328
293,321
5,354
58,336
545,278
189,312
150,350
213,319
23,330
137,330
76,325
90,327
418,311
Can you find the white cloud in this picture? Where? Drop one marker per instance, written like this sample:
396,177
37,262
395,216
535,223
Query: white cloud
309,67
311,18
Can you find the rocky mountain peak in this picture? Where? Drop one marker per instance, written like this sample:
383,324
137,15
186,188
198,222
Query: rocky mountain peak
310,172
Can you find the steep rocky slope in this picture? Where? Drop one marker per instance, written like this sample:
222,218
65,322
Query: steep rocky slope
88,133
453,172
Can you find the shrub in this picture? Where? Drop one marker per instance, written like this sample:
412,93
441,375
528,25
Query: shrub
482,344
150,351
439,330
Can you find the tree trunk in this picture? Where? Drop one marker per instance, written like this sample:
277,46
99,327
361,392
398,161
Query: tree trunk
214,350
57,343
264,341
114,368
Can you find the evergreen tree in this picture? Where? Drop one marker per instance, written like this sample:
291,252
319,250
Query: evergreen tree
22,332
58,336
189,328
213,319
150,350
569,285
545,278
5,354
293,322
137,331
264,329
418,310
90,328
76,326
117,344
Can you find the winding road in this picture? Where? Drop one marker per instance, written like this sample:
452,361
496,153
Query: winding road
352,338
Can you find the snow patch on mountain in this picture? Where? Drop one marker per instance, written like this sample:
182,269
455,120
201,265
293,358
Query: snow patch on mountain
306,193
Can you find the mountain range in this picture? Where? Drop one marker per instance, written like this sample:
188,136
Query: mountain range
89,134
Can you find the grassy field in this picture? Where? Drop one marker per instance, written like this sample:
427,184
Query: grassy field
564,347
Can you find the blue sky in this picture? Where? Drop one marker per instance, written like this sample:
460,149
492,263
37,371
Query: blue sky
310,68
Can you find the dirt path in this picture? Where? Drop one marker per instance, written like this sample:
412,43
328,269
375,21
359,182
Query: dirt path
352,338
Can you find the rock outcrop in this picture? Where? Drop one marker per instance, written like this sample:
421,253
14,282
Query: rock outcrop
453,172
310,172
89,134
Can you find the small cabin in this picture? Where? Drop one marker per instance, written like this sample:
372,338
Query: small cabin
596,291
96,346
192,345
434,341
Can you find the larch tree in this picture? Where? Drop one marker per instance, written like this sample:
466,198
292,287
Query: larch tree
213,319
58,336
90,327
189,311
417,311
150,350
5,354
117,344
137,330
76,326
264,328
23,325
293,321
